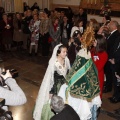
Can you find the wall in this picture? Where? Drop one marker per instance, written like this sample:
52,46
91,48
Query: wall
73,4
115,5
18,6
67,2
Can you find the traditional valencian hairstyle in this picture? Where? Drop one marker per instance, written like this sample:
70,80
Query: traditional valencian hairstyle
88,37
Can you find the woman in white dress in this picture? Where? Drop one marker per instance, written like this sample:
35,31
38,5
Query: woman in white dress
57,69
81,90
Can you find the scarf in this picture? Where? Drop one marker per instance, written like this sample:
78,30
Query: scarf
55,27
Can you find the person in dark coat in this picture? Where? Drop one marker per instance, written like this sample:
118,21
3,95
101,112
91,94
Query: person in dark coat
65,112
1,12
109,67
6,28
25,28
65,30
25,6
83,16
115,61
35,6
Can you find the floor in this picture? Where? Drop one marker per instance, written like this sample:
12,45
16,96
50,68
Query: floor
31,71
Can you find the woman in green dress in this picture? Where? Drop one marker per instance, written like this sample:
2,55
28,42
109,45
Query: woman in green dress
81,90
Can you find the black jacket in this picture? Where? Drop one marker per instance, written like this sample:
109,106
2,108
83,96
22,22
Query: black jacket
116,52
83,17
25,24
68,29
68,113
111,41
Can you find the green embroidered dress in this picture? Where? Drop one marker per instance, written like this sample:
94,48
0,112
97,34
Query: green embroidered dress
83,79
82,88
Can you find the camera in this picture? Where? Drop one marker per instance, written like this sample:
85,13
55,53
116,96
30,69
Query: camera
4,115
14,74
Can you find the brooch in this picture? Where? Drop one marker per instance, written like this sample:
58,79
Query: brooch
60,67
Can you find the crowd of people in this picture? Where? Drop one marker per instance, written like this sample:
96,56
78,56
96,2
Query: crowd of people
84,53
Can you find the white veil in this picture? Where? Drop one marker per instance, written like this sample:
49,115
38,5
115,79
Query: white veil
47,83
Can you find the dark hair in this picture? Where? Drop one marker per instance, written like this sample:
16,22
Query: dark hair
76,39
47,11
54,19
107,17
60,48
76,33
101,43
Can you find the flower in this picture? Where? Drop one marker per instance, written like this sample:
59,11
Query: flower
105,10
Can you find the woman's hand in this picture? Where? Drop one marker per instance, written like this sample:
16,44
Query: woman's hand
112,61
50,96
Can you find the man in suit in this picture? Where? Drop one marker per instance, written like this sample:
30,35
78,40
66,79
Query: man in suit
115,61
63,111
83,16
109,67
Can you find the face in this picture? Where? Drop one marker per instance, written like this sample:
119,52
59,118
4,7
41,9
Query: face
56,21
65,19
35,17
62,14
110,26
58,14
18,16
95,43
81,11
81,24
29,13
45,15
63,53
4,17
91,22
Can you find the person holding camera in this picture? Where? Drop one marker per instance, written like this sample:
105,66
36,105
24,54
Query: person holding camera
13,96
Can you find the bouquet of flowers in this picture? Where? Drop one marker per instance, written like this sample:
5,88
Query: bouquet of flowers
105,10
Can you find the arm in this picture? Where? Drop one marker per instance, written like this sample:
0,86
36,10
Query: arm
15,96
41,27
51,33
31,26
47,25
59,32
101,62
